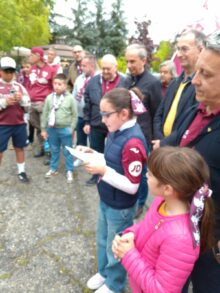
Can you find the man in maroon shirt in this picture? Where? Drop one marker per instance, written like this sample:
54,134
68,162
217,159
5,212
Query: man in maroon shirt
39,87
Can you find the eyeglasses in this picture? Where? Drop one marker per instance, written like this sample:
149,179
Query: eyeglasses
77,52
107,114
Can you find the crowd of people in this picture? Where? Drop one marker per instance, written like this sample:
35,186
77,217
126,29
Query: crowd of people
147,133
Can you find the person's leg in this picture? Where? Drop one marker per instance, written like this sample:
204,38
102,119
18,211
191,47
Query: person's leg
65,136
206,274
19,155
81,136
55,144
97,139
31,133
35,116
19,139
117,221
101,239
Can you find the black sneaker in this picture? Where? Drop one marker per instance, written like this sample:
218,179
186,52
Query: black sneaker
23,177
92,181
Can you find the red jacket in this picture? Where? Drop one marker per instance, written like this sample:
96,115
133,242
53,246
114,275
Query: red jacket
163,257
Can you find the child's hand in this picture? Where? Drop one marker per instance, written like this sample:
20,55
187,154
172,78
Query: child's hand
84,149
44,135
18,96
95,169
122,244
10,100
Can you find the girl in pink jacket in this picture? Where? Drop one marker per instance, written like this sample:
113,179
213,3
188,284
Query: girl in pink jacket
159,252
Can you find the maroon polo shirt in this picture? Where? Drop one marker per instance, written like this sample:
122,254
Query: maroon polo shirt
108,85
200,121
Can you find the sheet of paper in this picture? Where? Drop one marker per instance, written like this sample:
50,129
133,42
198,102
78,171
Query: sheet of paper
93,158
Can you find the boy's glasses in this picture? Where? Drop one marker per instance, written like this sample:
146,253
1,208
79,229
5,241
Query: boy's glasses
107,114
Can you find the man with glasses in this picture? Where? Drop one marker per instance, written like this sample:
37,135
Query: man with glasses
75,67
199,128
180,94
98,86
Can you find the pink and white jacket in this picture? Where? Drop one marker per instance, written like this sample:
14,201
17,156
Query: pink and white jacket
163,257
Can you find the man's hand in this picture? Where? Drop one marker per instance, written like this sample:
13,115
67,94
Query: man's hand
87,129
156,144
44,134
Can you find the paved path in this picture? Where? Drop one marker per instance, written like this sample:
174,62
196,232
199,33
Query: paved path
47,230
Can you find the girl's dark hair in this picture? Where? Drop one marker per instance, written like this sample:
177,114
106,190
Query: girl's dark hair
120,98
186,171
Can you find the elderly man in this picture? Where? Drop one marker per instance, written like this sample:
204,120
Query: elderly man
167,74
140,77
75,67
180,95
108,79
200,129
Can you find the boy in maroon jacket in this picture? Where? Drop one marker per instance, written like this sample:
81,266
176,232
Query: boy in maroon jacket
13,99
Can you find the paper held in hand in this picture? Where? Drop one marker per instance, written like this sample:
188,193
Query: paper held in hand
85,157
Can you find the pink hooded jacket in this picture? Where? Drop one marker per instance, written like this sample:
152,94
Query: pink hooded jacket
163,257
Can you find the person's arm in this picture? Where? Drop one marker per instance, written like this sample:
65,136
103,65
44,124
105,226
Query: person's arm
175,261
157,121
74,114
133,160
45,114
25,99
87,107
155,97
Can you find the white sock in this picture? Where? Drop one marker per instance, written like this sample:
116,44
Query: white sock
21,167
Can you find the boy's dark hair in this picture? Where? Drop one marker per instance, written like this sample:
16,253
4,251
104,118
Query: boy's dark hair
60,76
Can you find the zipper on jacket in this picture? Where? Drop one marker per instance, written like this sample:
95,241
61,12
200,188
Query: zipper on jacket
157,226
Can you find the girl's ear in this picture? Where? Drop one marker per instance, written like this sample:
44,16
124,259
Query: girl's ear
125,114
168,190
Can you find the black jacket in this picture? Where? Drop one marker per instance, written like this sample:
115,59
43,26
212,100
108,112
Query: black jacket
150,87
187,100
207,144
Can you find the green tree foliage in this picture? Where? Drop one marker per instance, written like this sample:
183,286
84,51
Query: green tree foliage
24,23
96,30
163,53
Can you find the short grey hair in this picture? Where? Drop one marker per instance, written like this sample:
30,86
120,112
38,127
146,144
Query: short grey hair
171,66
200,37
213,42
140,48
